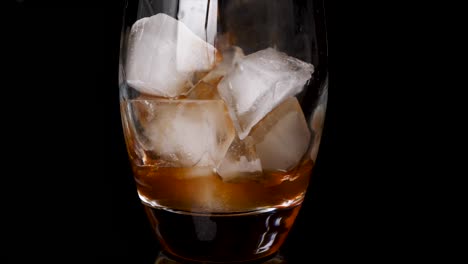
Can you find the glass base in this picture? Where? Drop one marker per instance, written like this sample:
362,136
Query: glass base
165,258
222,238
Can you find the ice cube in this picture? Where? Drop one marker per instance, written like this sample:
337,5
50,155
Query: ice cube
163,55
258,83
184,133
206,88
230,57
200,16
282,137
241,162
205,91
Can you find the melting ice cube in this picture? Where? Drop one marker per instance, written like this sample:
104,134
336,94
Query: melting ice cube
258,83
184,133
200,16
230,57
206,88
282,137
241,162
163,55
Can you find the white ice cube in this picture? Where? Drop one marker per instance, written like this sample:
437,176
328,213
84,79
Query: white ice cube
241,162
200,16
230,57
258,83
184,133
163,55
282,137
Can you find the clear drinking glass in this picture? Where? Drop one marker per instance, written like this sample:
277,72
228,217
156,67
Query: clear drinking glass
222,105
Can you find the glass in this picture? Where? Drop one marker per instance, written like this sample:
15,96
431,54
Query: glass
222,106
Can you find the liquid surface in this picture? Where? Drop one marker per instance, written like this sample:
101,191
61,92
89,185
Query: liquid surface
172,188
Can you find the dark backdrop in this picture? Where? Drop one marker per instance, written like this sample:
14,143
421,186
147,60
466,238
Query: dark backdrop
69,193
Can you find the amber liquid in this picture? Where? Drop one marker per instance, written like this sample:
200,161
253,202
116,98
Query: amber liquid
197,216
175,189
202,218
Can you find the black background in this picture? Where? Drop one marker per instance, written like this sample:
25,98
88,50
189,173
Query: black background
68,189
